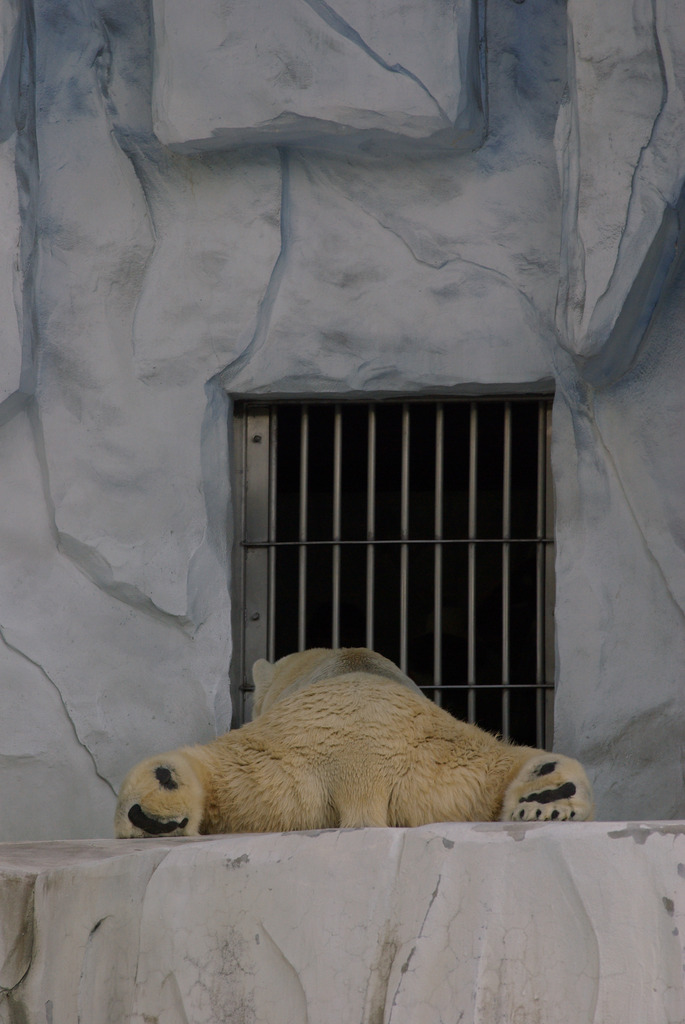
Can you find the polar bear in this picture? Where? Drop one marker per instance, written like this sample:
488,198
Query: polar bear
343,739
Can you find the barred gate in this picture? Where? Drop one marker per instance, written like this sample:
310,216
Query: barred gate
422,529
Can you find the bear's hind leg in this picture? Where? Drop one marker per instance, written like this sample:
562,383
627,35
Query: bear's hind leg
549,787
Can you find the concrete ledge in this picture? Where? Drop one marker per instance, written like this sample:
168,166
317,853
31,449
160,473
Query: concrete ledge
461,922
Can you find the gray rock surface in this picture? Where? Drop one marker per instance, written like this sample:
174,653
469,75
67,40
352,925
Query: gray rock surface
304,72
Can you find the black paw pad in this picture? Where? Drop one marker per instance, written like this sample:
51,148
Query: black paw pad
545,769
548,796
140,819
165,778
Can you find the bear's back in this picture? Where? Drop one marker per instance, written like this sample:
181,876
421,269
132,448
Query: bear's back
384,754
364,715
298,671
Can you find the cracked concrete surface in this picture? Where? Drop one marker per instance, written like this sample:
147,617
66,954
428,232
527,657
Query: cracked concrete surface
444,923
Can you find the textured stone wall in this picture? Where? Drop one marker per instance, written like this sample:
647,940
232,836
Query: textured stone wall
338,214
620,413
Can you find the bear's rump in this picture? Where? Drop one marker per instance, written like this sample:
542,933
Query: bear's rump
386,756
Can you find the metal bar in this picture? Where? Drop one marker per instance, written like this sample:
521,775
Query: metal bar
472,527
238,673
475,541
518,687
540,577
414,400
256,593
337,495
506,565
437,571
370,523
302,531
271,588
404,532
549,580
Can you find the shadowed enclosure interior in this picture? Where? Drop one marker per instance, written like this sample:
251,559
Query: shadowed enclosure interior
421,529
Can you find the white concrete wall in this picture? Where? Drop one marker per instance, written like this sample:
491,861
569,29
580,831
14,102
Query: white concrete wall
554,923
515,229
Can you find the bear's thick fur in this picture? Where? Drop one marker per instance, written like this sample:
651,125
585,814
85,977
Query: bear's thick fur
344,739
295,671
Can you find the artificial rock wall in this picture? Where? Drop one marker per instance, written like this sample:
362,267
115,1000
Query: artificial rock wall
215,200
476,923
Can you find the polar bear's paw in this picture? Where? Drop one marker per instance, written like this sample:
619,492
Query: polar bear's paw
549,787
160,797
